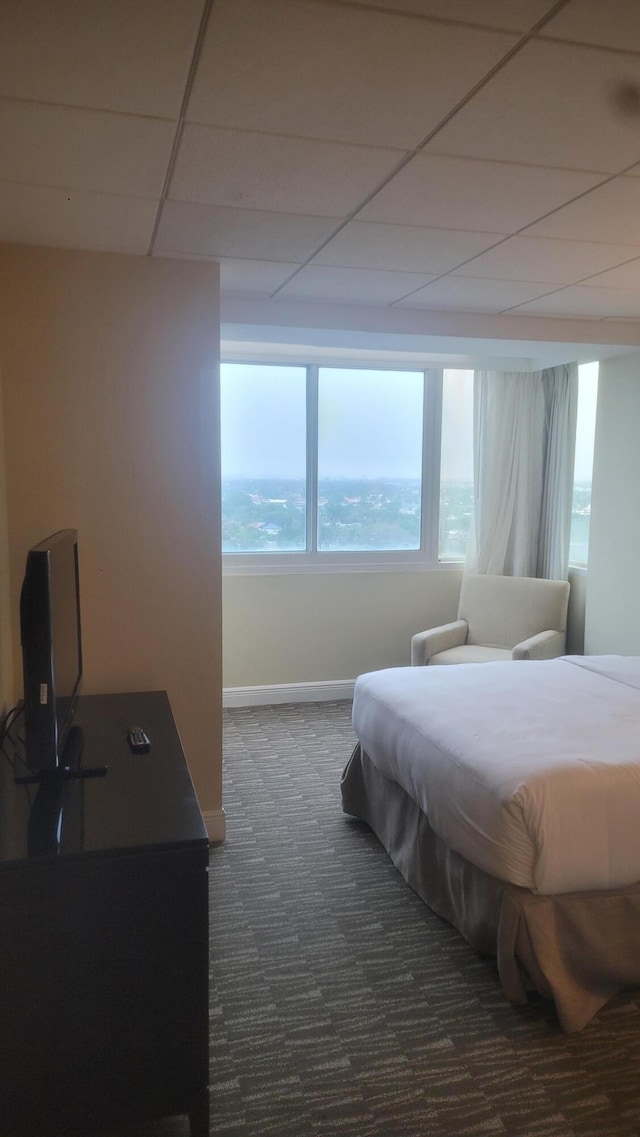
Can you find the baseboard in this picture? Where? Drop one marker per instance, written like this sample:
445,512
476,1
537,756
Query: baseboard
216,825
320,692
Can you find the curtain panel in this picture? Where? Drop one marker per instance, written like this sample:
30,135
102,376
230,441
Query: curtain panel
524,442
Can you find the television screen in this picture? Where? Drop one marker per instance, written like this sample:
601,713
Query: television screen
51,646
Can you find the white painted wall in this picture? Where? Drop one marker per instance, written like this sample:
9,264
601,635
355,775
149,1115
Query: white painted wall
612,615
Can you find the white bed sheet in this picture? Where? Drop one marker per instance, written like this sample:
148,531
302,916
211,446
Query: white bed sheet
529,769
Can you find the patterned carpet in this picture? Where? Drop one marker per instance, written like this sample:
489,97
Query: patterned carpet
342,1006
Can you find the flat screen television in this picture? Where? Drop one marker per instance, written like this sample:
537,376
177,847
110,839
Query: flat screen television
51,647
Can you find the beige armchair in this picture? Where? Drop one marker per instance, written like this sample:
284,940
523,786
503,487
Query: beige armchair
499,617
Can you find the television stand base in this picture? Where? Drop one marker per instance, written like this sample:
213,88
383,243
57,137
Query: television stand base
69,767
59,775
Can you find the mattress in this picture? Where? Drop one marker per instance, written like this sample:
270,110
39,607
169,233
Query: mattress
529,769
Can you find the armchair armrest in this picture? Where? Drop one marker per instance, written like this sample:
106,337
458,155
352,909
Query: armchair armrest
426,644
544,645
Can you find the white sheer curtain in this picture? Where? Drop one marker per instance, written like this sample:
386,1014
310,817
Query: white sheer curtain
524,436
561,399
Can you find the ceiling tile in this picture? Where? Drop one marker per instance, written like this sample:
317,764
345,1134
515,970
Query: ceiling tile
208,230
458,193
351,286
467,295
611,212
615,23
587,303
41,215
300,109
84,150
363,244
543,259
551,105
249,277
118,55
512,15
337,72
625,276
265,171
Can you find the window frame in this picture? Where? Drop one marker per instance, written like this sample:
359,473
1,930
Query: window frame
312,560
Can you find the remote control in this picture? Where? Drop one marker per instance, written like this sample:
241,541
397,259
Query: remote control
138,741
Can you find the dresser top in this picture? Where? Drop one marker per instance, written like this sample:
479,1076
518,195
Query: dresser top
144,802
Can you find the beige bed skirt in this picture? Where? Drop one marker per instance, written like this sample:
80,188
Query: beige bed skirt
579,949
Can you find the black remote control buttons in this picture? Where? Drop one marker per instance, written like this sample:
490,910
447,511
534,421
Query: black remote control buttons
138,740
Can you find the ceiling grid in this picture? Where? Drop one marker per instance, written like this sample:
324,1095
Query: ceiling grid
477,157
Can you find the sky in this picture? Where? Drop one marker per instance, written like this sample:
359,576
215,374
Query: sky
263,410
370,423
586,424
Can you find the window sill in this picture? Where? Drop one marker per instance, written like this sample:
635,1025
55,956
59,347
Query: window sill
295,564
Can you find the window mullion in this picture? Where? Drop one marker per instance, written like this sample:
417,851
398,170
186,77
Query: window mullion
431,463
312,458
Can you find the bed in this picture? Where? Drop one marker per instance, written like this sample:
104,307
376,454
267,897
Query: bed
508,796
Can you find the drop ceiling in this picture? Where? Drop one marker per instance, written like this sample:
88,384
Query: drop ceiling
428,158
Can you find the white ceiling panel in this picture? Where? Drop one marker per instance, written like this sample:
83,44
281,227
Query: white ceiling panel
511,15
302,162
336,72
471,295
41,215
83,149
363,244
614,23
610,213
254,277
458,193
552,105
266,171
587,303
115,55
625,276
543,259
208,230
351,285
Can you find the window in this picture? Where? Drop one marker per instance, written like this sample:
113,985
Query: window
583,467
344,463
369,459
328,466
264,459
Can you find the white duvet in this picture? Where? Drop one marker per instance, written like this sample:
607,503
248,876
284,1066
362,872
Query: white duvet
529,769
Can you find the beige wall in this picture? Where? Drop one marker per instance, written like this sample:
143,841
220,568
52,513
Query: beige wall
311,628
612,619
6,635
578,580
320,627
109,370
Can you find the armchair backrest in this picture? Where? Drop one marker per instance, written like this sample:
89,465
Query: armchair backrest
501,611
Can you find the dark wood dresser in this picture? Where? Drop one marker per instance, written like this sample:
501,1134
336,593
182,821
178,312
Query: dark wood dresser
104,934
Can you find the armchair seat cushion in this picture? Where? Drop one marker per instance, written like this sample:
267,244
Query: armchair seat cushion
471,653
